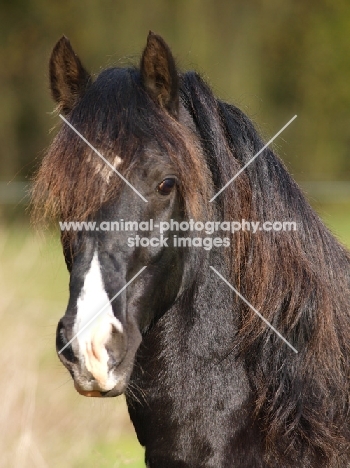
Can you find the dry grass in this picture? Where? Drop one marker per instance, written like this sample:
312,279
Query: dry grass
43,421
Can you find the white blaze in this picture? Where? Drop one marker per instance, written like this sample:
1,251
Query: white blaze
91,341
104,170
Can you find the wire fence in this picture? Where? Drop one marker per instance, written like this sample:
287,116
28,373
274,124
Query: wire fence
17,192
14,193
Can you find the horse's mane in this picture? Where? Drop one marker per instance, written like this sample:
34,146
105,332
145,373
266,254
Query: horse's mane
298,280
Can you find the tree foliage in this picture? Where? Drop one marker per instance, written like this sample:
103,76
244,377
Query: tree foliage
273,59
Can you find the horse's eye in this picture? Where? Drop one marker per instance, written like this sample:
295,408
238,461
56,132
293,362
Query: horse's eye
166,186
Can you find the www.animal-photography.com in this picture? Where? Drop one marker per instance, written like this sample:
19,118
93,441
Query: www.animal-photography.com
174,234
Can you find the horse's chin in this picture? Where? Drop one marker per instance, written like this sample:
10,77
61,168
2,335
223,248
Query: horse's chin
116,391
111,383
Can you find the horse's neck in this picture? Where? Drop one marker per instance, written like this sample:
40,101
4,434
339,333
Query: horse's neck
191,392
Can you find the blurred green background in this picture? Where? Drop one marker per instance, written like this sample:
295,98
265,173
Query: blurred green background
272,58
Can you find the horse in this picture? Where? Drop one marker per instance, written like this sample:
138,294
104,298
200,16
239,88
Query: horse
208,383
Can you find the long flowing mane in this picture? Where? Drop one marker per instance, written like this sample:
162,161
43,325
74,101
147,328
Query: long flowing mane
300,282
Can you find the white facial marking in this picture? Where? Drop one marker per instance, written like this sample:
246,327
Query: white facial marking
107,172
91,341
117,161
100,167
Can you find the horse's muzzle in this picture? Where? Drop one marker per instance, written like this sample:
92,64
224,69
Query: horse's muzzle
93,358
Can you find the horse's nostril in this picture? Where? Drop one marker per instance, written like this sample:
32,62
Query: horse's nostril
61,342
112,362
116,347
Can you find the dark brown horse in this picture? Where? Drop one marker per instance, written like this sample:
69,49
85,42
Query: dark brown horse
208,383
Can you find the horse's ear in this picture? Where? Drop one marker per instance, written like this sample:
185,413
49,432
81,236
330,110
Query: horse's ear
159,74
68,77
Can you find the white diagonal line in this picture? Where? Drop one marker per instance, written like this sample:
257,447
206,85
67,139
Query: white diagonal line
253,308
251,160
103,158
101,310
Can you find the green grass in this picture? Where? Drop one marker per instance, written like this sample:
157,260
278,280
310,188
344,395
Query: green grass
107,454
337,219
44,422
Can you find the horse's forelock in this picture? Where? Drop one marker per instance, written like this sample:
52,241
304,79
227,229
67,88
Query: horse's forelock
120,120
